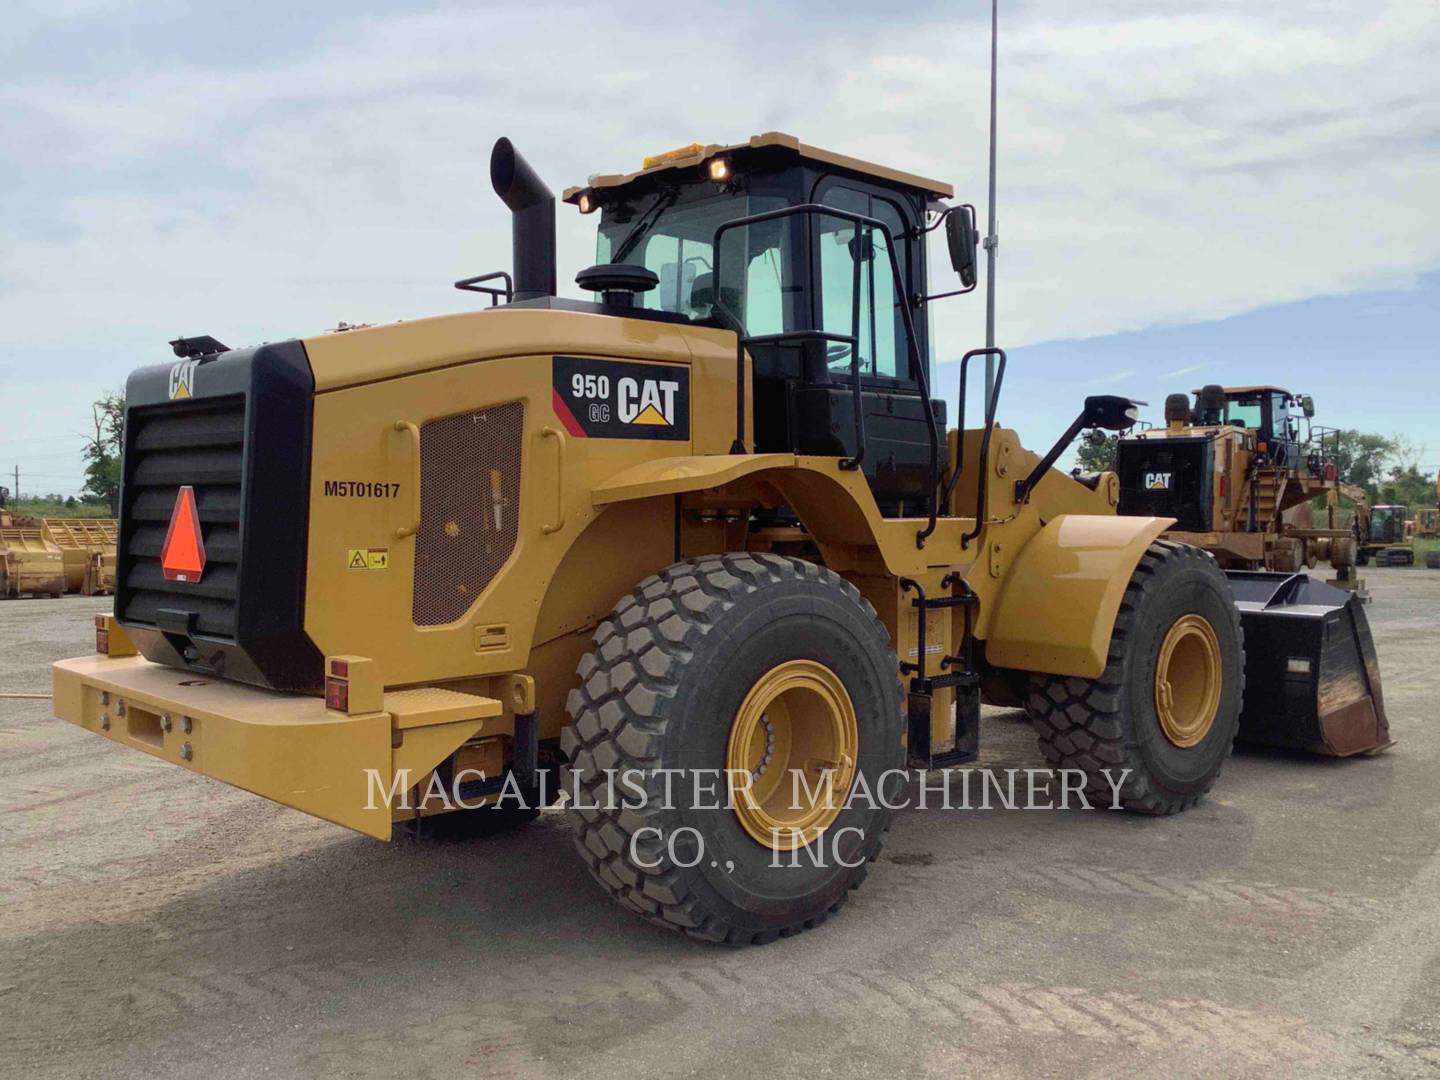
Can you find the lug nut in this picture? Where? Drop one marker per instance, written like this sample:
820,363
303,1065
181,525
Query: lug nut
186,753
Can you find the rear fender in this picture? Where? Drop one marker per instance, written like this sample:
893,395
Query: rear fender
835,505
1057,608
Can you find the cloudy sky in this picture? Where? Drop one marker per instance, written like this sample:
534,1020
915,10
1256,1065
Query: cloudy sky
1194,192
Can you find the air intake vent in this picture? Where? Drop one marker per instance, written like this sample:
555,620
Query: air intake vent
469,508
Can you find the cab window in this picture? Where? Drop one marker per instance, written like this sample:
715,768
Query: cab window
1243,410
1282,425
883,349
761,285
677,243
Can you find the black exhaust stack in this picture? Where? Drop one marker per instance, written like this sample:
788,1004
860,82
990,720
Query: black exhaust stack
532,208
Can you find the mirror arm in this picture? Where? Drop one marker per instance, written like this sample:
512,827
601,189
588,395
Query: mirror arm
920,300
920,230
1024,487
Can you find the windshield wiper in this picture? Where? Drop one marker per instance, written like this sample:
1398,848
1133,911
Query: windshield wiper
640,227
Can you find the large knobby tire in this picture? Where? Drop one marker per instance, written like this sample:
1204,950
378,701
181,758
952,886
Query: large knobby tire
676,667
1432,560
1177,614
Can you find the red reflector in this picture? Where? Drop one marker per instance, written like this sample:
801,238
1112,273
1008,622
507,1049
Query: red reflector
1224,487
337,695
102,642
340,668
182,558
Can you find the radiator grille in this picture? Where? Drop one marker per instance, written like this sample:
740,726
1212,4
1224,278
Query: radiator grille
200,443
469,508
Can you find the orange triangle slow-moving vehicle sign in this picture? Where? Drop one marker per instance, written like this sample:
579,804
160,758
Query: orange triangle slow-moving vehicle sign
183,556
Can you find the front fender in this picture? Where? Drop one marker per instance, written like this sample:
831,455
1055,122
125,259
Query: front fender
1057,608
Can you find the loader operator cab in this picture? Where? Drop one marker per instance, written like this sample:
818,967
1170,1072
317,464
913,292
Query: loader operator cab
818,262
1273,414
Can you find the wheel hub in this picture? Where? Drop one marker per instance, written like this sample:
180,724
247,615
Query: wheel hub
794,739
1188,678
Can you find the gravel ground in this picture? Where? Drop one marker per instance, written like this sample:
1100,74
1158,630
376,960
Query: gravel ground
155,923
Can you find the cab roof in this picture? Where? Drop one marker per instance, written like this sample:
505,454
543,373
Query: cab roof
689,157
1252,390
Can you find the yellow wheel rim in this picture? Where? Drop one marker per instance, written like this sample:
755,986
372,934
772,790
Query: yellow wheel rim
1188,675
791,756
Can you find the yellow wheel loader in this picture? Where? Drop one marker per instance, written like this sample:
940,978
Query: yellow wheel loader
700,552
1240,477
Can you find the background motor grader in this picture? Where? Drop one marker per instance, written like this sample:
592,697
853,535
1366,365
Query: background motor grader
710,524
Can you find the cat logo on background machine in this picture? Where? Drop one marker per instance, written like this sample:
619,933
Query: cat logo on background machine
1158,481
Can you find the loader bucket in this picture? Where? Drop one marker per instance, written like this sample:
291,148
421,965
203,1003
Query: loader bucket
1312,681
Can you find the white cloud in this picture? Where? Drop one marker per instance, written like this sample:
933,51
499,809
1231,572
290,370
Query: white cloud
1188,369
1154,169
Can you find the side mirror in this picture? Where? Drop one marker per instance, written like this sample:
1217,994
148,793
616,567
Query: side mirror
1110,413
1103,412
1307,406
962,238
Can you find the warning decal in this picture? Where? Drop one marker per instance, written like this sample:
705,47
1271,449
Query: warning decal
367,558
182,556
614,399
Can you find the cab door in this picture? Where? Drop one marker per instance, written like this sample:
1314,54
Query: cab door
897,447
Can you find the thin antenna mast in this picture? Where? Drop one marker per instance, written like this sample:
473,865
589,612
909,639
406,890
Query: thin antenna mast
992,241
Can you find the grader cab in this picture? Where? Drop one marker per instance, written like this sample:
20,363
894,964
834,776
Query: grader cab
702,548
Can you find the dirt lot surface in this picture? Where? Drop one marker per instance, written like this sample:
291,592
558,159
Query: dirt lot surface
155,923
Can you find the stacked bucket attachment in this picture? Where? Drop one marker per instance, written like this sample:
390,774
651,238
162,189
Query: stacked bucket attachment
1312,681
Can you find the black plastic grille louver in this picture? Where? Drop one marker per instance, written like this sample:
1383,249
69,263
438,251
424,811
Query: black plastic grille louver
200,443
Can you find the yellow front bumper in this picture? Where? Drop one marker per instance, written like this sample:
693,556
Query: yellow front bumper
286,747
